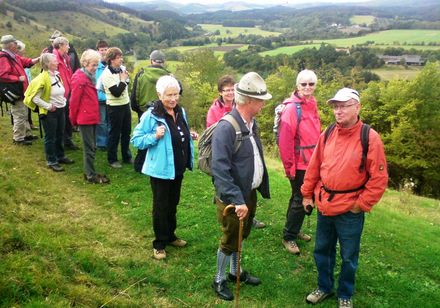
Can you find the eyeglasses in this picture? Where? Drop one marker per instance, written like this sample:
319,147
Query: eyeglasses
343,107
304,84
228,90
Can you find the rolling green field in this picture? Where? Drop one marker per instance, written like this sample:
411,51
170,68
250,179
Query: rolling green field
236,31
390,72
383,39
84,24
362,19
65,243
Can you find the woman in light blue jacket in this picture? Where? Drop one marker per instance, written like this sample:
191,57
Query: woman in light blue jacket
164,131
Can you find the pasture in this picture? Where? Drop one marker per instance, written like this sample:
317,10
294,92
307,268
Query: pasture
382,39
67,243
236,31
362,19
390,72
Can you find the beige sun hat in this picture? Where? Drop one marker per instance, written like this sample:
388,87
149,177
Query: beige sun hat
55,34
6,39
252,85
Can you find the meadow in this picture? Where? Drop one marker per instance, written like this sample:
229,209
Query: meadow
383,39
390,72
236,31
362,19
67,243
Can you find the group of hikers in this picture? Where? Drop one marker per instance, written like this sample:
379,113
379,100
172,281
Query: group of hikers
340,171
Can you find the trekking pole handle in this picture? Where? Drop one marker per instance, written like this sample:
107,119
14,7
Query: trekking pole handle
309,209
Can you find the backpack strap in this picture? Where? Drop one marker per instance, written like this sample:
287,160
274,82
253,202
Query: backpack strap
238,133
365,139
328,131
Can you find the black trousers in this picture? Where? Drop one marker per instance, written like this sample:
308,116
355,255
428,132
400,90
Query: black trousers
295,211
120,129
68,128
166,196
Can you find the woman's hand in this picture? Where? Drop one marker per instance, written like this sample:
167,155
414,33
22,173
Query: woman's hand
123,76
194,135
160,131
52,108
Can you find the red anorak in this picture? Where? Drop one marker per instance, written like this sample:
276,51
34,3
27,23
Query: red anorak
335,165
308,133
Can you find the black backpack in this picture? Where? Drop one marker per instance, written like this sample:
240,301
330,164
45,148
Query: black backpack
10,92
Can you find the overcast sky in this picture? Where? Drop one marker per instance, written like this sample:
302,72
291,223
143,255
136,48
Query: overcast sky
250,1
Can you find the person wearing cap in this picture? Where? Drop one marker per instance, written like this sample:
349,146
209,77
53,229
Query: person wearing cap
12,67
343,191
103,128
297,139
144,84
73,55
237,175
115,81
221,106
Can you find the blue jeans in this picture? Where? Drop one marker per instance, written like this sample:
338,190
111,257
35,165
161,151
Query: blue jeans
347,228
54,125
103,127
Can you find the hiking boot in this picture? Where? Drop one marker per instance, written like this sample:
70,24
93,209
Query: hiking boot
66,160
317,296
30,138
178,243
22,142
159,254
56,168
246,278
291,247
222,290
304,237
258,224
345,303
116,165
97,179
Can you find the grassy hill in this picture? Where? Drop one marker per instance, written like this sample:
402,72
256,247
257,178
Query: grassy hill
236,31
67,243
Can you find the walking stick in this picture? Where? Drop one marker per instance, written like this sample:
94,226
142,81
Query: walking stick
240,237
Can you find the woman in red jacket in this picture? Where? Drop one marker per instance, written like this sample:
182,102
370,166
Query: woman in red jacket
297,139
84,111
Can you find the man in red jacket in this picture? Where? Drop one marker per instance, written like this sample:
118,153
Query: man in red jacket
12,71
343,192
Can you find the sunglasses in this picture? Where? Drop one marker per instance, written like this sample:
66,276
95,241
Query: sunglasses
304,84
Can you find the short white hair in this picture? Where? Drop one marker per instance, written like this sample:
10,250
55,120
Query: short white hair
306,75
166,82
240,99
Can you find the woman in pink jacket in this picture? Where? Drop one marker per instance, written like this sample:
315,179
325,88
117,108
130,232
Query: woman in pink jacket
299,131
84,111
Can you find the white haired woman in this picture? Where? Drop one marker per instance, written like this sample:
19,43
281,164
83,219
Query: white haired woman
47,92
84,112
164,131
297,139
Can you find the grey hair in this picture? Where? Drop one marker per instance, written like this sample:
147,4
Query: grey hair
88,56
306,75
166,82
61,40
241,99
45,60
20,45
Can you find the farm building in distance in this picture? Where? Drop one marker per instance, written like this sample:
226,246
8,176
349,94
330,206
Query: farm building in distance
403,59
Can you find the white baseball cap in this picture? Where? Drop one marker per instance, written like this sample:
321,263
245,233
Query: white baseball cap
345,94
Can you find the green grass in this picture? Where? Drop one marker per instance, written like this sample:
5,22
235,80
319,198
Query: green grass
362,19
382,39
390,72
236,31
81,25
67,243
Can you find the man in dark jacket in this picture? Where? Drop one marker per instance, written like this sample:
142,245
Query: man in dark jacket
238,174
12,72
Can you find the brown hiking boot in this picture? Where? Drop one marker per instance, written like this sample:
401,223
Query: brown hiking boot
304,237
291,247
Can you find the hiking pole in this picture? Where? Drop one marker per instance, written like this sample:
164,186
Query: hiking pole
240,237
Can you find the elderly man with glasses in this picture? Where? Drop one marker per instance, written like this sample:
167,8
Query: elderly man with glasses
347,178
